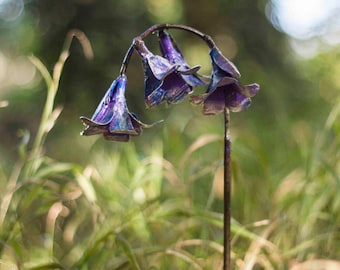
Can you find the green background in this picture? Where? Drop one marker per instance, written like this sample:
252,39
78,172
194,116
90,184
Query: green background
138,205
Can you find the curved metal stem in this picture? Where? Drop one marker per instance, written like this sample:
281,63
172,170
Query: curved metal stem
194,31
126,59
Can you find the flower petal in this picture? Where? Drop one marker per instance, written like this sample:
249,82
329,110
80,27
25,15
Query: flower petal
249,90
136,121
153,94
176,88
171,51
198,99
226,80
169,48
214,103
191,77
104,112
122,124
159,66
237,102
224,63
225,96
92,128
155,98
188,71
116,137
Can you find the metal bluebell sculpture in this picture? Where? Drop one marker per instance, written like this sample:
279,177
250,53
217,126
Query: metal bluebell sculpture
169,79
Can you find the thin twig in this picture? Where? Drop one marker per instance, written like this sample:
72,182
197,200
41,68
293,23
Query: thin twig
227,192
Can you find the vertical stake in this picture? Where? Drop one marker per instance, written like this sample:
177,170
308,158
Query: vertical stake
227,192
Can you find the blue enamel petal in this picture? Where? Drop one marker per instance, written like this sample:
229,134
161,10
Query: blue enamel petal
150,81
223,63
104,112
154,95
121,123
159,66
217,76
155,98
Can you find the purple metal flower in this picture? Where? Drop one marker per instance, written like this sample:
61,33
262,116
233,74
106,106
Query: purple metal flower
224,90
163,79
171,51
112,117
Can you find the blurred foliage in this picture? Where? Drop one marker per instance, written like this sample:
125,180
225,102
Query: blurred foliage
69,202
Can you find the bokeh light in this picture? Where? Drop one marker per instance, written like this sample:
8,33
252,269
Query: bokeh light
304,19
10,10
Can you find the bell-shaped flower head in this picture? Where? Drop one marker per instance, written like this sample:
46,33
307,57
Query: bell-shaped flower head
224,90
163,80
171,51
112,117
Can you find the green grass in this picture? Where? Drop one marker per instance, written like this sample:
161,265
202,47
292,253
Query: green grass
155,206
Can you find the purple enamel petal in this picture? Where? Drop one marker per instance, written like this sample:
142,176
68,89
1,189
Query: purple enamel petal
169,48
225,96
175,88
214,103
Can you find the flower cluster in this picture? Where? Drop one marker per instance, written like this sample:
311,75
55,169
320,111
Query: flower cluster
169,79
